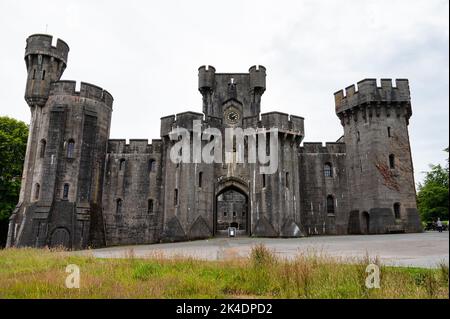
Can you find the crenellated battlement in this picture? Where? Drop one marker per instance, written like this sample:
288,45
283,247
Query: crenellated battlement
319,148
87,90
206,74
135,146
184,120
284,122
258,77
42,44
367,91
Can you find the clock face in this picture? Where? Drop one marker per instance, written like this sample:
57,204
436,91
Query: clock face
232,116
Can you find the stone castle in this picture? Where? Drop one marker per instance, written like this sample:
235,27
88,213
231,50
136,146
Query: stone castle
81,189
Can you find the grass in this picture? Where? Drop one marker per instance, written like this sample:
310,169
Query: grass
40,273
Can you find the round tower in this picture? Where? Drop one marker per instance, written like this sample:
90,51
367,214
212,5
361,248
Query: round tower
206,82
45,64
379,165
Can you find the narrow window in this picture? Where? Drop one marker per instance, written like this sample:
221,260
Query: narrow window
267,144
70,148
287,179
328,170
200,179
397,210
65,191
392,161
34,74
175,197
43,144
224,214
43,75
151,165
150,206
389,131
243,214
234,214
264,180
121,164
358,136
119,206
37,190
330,204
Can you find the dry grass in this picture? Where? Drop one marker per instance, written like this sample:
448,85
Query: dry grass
33,273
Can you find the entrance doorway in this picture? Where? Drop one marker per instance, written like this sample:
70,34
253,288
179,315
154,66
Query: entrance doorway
232,211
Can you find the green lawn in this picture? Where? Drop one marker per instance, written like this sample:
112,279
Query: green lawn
40,273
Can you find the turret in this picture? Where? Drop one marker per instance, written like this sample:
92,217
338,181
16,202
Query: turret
257,86
375,120
206,80
45,64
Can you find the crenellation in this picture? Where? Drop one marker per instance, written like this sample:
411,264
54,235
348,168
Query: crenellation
130,192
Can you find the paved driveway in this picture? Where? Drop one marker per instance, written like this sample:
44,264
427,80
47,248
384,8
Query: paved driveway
423,250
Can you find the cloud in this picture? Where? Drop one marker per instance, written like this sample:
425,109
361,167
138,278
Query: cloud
147,54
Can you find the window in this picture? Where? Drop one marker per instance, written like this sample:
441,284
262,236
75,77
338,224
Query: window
70,148
119,206
34,74
224,214
65,191
234,214
243,214
358,136
392,161
264,180
43,75
328,170
37,190
200,179
121,164
43,144
175,197
151,165
397,210
389,131
150,206
330,205
287,180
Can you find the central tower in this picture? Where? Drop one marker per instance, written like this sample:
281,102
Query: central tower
232,97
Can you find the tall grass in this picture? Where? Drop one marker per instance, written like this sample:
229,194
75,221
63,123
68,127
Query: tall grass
33,273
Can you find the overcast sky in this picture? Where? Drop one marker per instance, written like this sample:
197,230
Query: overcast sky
146,54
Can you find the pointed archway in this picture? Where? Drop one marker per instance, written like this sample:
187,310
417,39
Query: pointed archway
232,208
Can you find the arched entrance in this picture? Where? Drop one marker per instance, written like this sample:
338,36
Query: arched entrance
232,209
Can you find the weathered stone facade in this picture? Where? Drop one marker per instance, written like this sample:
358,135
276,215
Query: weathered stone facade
80,189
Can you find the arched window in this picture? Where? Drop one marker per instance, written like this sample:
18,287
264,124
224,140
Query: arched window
200,179
397,210
119,206
330,205
328,170
392,161
70,148
389,131
151,165
121,164
150,206
65,191
287,180
42,146
37,190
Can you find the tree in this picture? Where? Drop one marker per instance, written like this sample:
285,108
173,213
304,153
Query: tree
433,195
13,144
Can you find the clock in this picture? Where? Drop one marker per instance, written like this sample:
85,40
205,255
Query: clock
232,116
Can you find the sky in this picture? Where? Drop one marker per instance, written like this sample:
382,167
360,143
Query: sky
146,54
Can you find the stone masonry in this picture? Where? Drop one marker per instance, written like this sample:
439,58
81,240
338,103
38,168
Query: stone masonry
81,189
